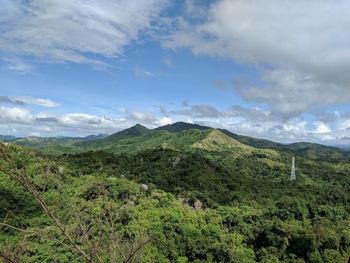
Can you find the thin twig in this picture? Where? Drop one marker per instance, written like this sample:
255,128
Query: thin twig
15,228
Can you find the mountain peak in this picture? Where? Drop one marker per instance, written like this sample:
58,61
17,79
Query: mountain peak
136,130
182,126
138,126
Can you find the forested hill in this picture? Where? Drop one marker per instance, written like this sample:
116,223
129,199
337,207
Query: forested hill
159,196
139,137
179,193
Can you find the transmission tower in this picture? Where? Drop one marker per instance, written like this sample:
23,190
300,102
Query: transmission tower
292,173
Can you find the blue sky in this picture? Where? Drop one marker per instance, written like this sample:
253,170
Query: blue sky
270,69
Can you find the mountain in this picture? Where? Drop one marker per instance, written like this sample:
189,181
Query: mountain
137,130
182,126
35,141
254,142
92,137
302,145
55,145
308,150
109,141
179,136
215,140
7,138
302,149
317,151
346,148
200,195
138,139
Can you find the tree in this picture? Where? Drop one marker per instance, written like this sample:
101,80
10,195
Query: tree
89,232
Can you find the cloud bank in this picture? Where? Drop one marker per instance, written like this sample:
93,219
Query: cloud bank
300,47
68,31
328,128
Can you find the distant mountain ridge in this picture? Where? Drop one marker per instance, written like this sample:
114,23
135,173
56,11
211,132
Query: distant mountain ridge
54,145
303,149
182,126
181,135
136,130
7,138
178,135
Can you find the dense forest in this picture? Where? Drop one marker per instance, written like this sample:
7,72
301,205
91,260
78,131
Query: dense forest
175,194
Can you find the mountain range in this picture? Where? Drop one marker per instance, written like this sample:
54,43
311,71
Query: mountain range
175,136
201,194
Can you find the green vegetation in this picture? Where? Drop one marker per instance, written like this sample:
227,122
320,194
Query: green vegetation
138,138
175,194
54,145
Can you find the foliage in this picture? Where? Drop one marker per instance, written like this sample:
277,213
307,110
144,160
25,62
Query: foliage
180,195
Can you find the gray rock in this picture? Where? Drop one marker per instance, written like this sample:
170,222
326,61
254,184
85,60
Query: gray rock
60,169
144,187
176,161
197,205
131,203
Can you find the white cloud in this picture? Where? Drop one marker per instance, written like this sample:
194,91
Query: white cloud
164,121
193,8
303,43
39,102
18,65
333,129
142,117
142,73
237,111
281,32
290,93
65,30
199,111
83,121
321,127
246,121
15,115
22,100
23,122
344,124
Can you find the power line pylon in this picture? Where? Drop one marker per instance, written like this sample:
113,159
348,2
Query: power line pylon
292,173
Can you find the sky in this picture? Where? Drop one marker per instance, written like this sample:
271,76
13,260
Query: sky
273,69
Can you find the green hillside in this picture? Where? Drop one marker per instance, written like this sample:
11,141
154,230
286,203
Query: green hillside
201,197
179,193
54,145
317,151
137,130
307,150
179,135
182,136
7,138
302,149
186,140
182,126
